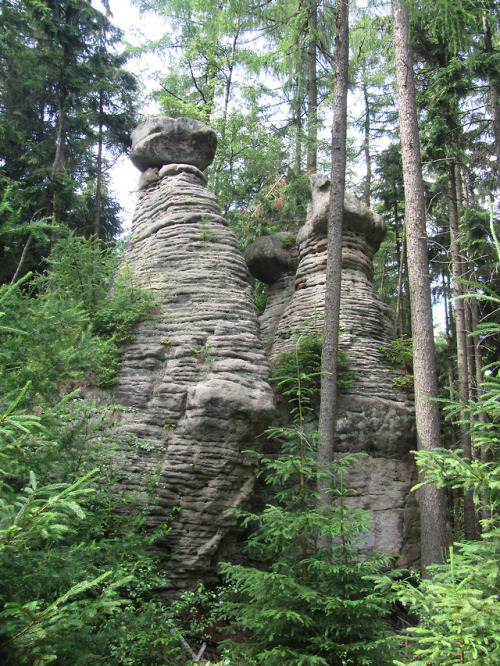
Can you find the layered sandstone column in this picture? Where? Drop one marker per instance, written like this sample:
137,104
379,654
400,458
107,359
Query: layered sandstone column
195,375
374,416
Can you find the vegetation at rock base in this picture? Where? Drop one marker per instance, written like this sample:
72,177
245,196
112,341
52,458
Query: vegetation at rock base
299,602
306,361
400,358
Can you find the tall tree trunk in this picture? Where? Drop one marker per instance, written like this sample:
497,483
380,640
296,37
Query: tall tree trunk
23,257
98,196
328,404
494,95
367,188
400,320
448,323
312,92
58,164
431,499
227,97
461,337
298,132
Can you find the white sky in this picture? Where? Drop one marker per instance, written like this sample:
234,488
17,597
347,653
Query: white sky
137,30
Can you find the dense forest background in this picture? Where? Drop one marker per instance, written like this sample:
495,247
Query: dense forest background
77,583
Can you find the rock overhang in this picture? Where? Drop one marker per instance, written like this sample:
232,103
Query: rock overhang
163,140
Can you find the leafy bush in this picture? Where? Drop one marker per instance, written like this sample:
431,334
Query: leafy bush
400,358
34,520
85,273
72,569
70,321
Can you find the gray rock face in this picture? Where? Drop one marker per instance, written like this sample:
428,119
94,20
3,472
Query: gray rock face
273,260
194,377
374,416
163,140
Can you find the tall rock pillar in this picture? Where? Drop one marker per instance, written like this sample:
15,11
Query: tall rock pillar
374,416
195,375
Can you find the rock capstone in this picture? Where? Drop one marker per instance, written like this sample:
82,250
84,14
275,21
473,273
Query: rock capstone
163,140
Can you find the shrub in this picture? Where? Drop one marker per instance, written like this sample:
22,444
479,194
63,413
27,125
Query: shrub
301,603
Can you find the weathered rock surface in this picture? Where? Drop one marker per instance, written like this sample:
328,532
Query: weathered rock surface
195,376
273,260
163,140
374,416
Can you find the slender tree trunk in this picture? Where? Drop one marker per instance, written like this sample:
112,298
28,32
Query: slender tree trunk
400,320
461,336
367,188
298,133
384,266
98,196
58,163
449,340
227,97
23,257
494,95
431,499
312,92
328,405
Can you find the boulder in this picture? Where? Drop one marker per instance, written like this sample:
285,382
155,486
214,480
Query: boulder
163,140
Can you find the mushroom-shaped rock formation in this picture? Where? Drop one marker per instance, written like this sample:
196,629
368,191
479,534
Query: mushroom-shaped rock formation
374,416
195,377
273,260
163,140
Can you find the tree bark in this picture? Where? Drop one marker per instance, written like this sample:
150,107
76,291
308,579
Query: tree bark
312,92
461,337
98,196
23,257
367,187
58,165
400,320
298,133
328,404
227,97
431,499
495,106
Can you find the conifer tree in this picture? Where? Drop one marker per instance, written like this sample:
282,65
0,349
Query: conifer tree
431,500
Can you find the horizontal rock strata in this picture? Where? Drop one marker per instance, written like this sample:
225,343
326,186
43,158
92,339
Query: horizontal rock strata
374,416
194,379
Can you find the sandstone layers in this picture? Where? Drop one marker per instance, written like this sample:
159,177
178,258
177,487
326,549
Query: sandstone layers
195,376
374,416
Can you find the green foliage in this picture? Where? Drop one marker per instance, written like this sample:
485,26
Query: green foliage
32,322
457,605
35,519
260,291
95,304
278,206
75,576
302,602
61,69
400,358
306,360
